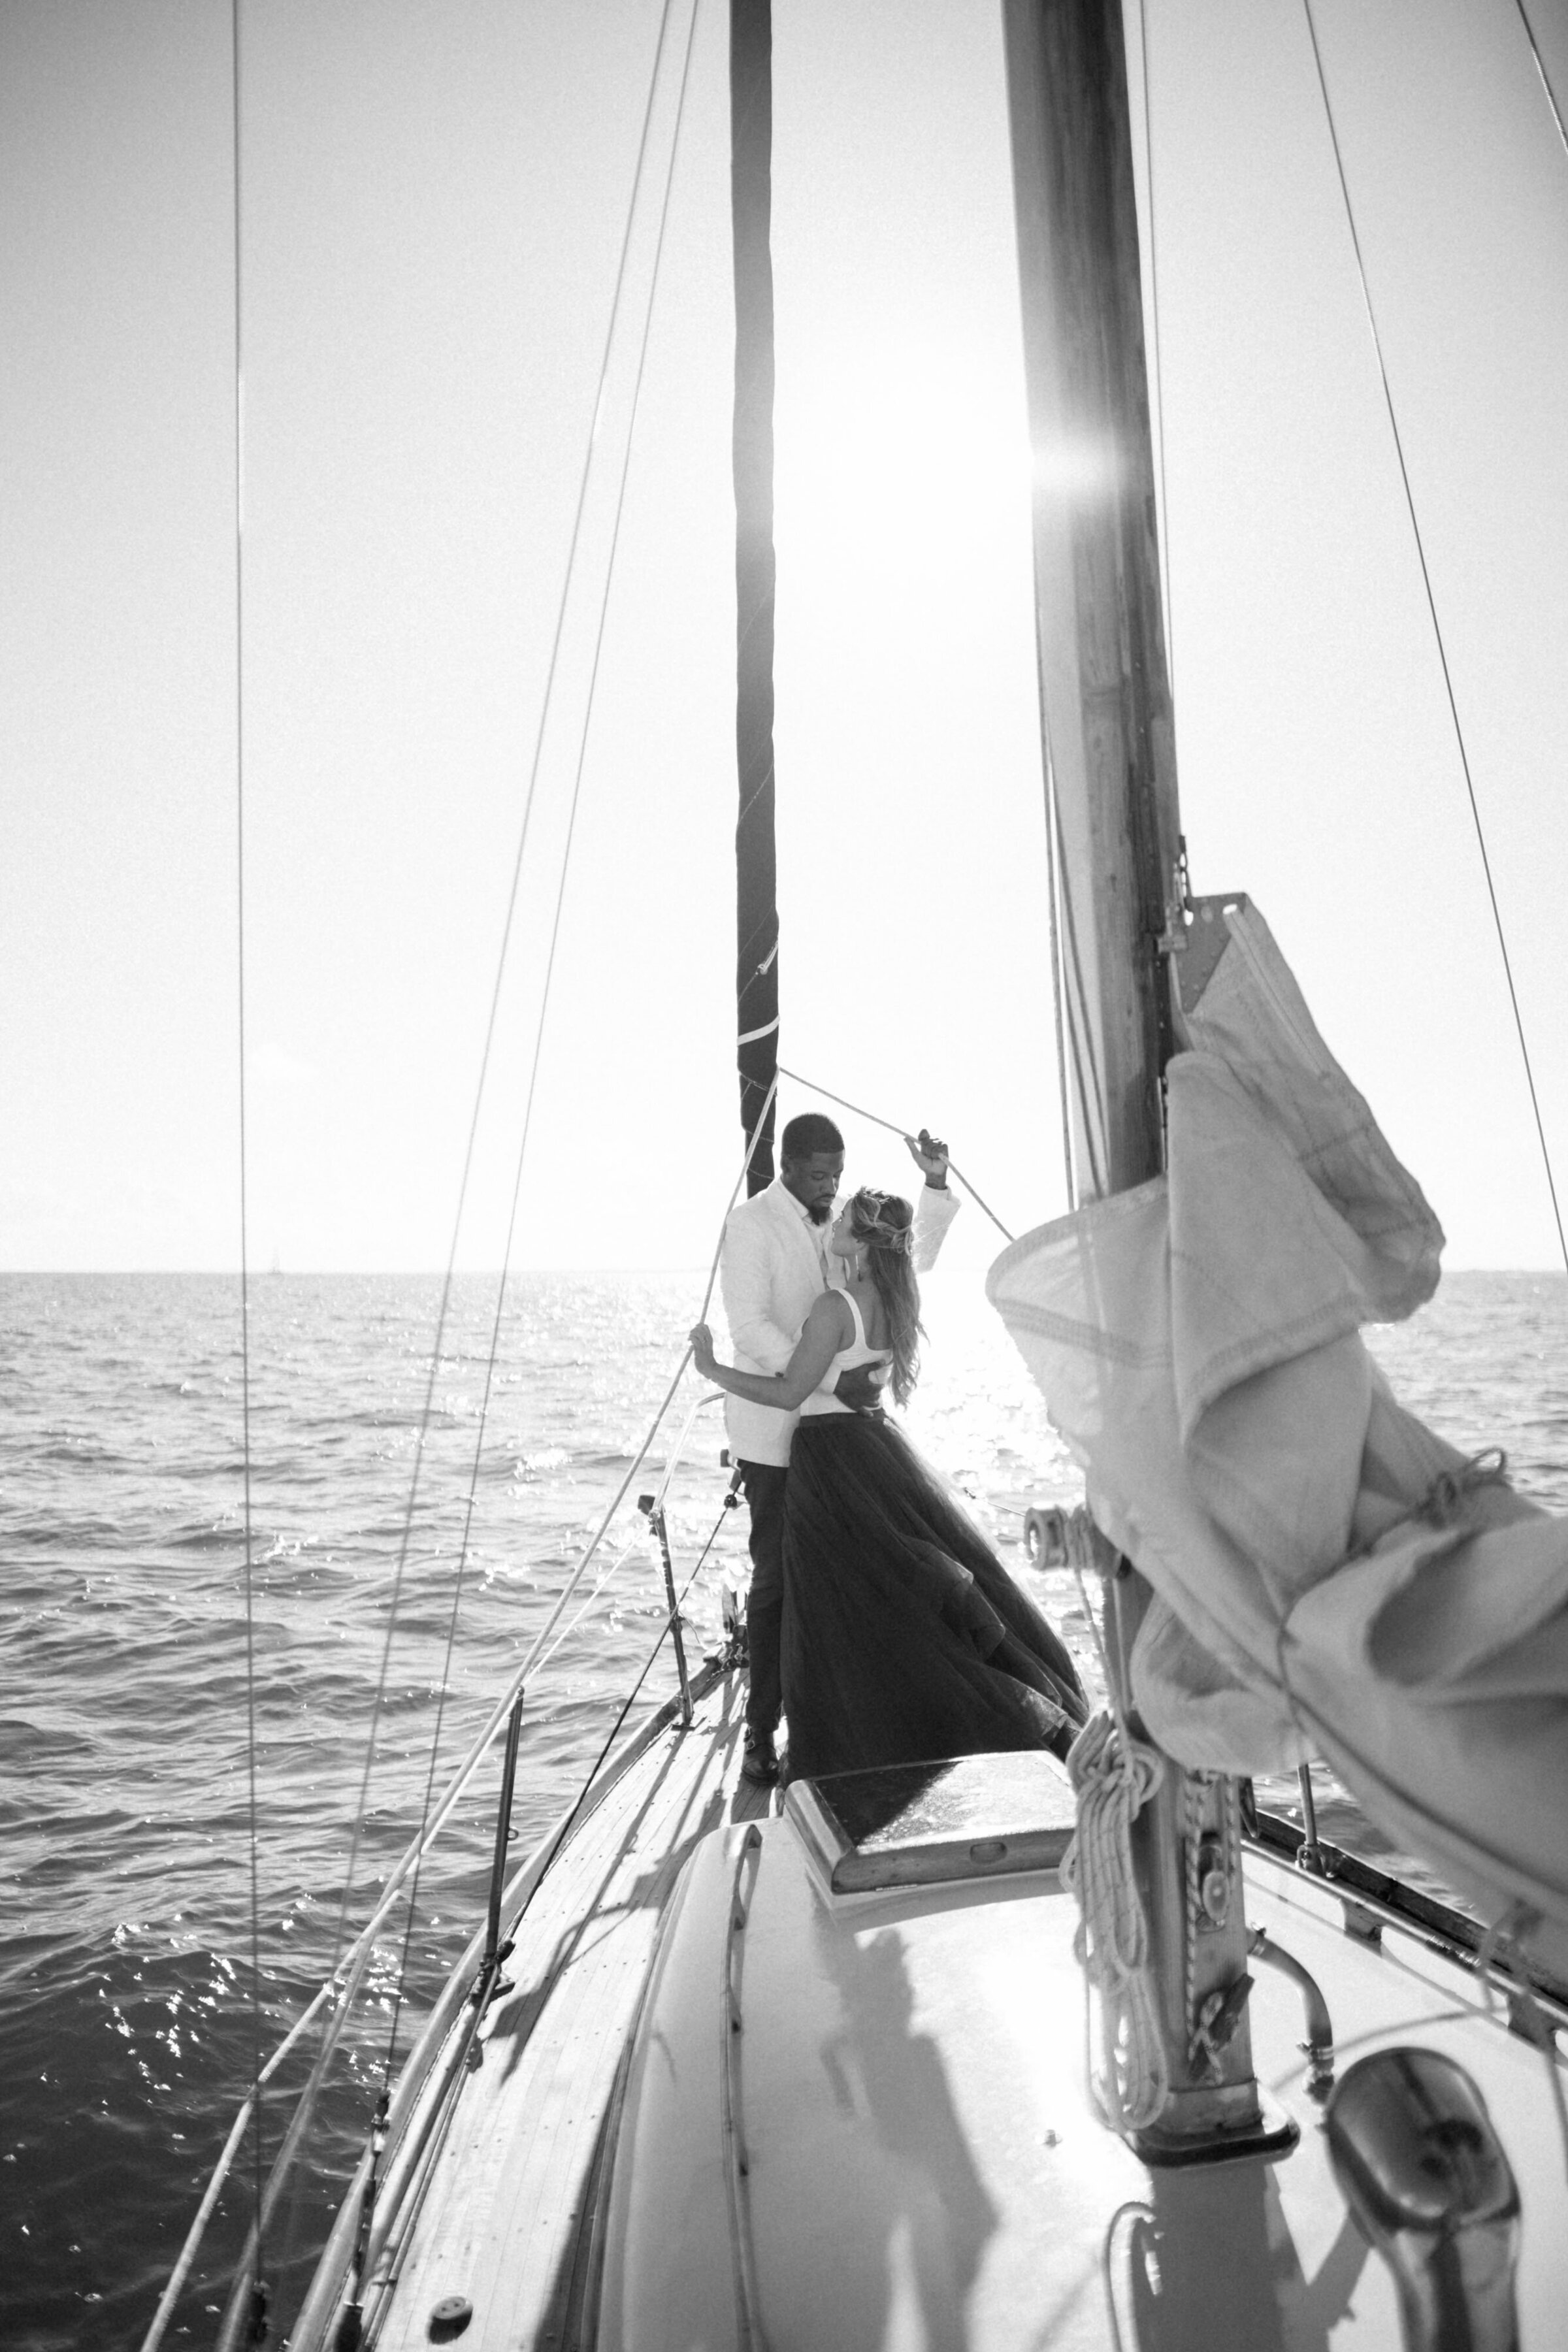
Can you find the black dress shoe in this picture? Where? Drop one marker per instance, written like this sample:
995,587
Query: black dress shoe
759,1764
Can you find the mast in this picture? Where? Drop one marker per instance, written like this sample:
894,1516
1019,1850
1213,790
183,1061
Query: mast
756,900
1110,761
1105,695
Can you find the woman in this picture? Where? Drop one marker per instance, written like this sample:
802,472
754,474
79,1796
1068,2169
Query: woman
904,1638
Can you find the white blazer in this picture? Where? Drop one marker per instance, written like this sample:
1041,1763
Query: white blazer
772,1269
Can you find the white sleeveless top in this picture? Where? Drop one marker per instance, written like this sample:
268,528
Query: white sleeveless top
822,1399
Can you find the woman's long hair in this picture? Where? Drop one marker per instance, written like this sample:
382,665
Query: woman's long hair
885,1224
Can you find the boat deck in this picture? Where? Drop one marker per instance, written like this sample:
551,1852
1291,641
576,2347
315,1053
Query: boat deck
507,2224
904,2151
893,2146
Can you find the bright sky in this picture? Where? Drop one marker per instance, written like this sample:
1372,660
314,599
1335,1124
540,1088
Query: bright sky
433,200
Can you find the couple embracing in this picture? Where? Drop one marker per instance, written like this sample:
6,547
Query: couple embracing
879,1615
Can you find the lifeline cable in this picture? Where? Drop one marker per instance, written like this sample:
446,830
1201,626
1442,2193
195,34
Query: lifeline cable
894,1129
1436,627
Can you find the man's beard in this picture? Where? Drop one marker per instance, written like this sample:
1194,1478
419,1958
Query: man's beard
820,1212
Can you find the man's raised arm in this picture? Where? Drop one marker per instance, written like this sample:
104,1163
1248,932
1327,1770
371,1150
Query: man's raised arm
937,1204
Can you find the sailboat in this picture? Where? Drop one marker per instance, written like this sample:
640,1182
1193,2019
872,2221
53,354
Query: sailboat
959,2053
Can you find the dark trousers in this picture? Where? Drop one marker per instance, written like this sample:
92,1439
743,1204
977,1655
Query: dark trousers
765,1486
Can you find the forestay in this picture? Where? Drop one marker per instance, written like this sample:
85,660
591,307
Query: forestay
1329,1575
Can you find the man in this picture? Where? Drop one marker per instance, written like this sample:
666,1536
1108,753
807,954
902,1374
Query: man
772,1266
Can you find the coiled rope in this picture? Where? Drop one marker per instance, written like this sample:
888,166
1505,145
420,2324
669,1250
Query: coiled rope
1114,1776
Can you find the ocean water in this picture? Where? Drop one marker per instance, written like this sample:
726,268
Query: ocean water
187,1783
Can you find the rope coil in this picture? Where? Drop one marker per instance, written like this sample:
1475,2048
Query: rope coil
1114,1776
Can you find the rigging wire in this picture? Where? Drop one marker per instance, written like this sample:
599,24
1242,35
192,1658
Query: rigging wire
1086,1068
1436,627
894,1129
491,1025
1541,69
349,1966
564,1831
549,975
1158,380
536,1870
672,1463
252,1804
187,2254
493,1017
1053,925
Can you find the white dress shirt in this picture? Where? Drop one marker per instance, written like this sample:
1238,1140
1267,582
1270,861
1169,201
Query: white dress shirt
773,1269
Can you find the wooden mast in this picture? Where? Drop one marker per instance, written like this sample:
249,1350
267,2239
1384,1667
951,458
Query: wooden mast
1111,770
1105,694
756,903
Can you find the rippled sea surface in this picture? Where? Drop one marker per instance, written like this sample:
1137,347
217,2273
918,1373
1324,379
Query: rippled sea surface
201,1790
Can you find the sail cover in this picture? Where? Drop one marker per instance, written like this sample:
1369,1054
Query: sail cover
1330,1577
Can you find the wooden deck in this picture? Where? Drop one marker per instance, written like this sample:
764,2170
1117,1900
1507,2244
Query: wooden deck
507,2221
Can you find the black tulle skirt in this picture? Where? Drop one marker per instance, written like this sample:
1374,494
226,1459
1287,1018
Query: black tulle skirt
904,1638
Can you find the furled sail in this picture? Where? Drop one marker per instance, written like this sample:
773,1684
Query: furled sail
1329,1576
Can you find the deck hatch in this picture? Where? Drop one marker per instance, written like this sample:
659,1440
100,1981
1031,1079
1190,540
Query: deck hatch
919,1824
